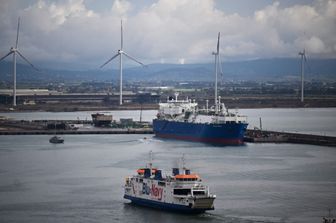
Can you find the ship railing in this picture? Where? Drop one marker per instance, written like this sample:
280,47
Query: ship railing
200,191
185,184
199,187
182,196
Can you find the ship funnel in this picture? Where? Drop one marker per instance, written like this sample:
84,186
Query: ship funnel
158,175
176,171
147,173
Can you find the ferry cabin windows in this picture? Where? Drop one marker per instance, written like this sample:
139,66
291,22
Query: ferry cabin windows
186,179
182,191
161,183
199,192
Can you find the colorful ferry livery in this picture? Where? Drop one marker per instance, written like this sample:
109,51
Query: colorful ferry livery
182,191
182,119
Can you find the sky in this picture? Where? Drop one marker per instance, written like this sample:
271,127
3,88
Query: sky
83,34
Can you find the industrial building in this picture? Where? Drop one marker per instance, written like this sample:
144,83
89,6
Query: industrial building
44,96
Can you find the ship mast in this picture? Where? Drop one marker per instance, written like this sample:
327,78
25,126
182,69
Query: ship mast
150,160
216,73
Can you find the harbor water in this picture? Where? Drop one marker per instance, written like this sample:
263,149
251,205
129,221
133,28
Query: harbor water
81,180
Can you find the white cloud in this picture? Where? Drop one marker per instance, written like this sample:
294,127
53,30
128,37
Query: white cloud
312,45
67,31
121,7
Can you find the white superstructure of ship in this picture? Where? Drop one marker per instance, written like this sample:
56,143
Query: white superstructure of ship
182,191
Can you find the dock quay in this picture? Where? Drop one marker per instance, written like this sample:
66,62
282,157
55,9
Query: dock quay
79,131
72,127
264,136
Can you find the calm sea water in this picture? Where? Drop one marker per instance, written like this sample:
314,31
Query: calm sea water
81,180
319,121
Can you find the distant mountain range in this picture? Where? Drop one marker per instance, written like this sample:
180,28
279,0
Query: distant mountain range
257,70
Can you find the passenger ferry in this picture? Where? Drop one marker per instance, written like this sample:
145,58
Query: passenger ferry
182,191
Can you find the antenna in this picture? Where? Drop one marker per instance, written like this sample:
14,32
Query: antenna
121,53
150,159
183,161
14,51
303,60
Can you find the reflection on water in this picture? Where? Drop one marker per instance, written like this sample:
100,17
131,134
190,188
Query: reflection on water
81,180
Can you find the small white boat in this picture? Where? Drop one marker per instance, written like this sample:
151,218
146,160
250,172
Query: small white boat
56,139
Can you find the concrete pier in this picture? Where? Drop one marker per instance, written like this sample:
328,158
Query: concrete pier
263,136
79,132
12,127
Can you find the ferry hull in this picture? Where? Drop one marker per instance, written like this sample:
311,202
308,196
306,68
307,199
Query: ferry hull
218,134
166,206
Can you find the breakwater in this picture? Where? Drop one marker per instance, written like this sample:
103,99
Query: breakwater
264,136
12,127
79,132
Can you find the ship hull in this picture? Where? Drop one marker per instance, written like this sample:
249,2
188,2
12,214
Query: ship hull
165,206
218,134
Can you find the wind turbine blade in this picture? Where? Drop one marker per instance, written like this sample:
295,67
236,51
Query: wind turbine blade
110,60
17,34
218,43
10,52
27,61
304,56
132,58
122,36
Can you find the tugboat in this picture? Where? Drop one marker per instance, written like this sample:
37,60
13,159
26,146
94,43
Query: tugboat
182,191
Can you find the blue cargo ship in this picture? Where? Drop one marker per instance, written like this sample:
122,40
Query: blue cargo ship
183,120
213,133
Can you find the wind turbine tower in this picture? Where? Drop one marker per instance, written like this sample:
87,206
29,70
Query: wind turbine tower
217,67
14,51
303,60
121,53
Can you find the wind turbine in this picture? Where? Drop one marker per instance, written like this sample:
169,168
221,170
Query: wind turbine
217,65
121,53
14,51
303,60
